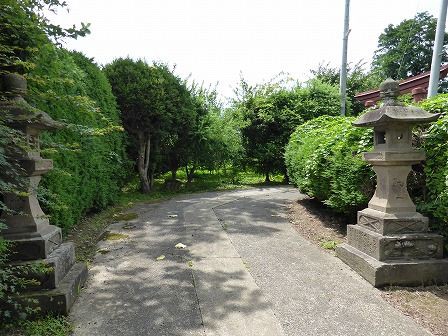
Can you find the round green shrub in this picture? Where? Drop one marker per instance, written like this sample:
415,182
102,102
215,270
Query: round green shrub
323,159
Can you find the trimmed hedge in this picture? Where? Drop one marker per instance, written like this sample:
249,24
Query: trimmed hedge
323,160
88,155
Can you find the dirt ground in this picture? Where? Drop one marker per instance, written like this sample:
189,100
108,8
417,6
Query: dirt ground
428,305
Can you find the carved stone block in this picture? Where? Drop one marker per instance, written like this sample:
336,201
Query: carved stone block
397,247
387,224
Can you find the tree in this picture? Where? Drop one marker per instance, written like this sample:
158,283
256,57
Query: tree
136,86
269,113
215,140
406,49
157,112
177,135
357,81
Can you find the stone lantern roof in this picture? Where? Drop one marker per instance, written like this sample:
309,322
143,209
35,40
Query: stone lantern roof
393,111
17,109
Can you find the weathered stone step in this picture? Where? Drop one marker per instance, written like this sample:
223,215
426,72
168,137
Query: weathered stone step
54,269
60,299
399,273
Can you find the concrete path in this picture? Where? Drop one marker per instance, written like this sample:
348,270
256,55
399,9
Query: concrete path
245,271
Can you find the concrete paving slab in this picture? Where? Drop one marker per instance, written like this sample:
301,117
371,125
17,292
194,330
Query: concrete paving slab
139,296
245,271
230,300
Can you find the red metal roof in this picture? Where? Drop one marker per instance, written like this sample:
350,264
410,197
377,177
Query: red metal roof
406,85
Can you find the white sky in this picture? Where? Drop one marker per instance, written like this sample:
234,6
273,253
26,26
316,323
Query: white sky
216,40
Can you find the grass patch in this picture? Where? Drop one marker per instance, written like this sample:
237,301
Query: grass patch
329,244
46,326
114,236
124,217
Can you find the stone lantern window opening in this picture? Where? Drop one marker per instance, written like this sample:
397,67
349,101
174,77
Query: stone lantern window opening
380,138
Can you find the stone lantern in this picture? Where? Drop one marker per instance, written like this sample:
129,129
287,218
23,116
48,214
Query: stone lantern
391,243
28,228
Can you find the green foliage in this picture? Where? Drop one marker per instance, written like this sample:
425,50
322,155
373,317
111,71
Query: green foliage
215,141
10,171
323,159
269,114
434,201
329,244
88,155
13,281
25,27
357,81
406,49
156,112
49,325
171,125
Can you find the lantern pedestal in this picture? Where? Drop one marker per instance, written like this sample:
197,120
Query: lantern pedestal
400,272
34,241
391,243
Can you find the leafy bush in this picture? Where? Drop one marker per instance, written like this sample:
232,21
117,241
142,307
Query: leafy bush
270,112
323,159
88,154
434,201
48,325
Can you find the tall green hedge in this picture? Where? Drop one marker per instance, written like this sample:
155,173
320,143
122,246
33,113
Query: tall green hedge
323,159
88,154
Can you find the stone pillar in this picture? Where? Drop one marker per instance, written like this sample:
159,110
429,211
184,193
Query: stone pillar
391,243
34,239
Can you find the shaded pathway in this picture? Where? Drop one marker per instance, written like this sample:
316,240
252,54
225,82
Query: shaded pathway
245,271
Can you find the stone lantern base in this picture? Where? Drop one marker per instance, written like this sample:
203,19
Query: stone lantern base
398,272
390,249
58,286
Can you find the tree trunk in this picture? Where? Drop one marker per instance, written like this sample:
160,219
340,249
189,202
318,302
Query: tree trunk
267,179
144,149
174,174
151,175
189,173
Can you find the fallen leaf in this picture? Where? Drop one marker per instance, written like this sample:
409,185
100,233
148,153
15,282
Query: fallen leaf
180,246
129,226
160,258
172,216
